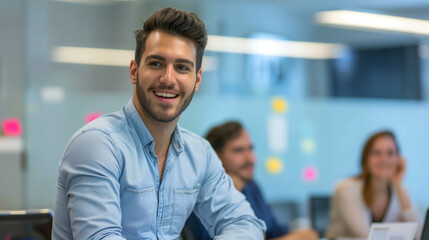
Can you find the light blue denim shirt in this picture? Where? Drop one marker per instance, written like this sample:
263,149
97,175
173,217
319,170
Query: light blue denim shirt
109,185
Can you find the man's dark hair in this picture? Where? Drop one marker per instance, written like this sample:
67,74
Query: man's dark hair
175,22
218,136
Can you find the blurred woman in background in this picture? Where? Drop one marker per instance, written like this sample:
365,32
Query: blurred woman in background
375,195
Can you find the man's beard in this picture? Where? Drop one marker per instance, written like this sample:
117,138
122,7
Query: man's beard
241,176
150,108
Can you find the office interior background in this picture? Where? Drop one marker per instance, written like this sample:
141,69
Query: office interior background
308,108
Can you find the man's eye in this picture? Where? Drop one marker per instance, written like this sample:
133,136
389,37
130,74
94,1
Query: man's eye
183,68
155,64
238,150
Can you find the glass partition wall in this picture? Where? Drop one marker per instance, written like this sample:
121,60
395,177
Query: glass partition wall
309,90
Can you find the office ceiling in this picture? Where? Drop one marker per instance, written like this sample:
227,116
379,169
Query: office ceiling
312,5
306,9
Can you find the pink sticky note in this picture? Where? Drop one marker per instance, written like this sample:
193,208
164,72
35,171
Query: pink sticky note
91,116
12,127
310,174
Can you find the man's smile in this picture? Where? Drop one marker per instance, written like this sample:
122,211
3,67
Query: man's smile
164,94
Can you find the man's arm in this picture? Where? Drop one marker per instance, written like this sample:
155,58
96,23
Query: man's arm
88,177
223,210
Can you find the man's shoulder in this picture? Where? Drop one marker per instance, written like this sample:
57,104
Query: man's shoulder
252,185
97,139
192,139
252,188
197,149
105,127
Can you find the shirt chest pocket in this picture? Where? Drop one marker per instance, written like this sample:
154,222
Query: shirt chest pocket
139,205
184,202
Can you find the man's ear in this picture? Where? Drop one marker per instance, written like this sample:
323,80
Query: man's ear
133,71
197,83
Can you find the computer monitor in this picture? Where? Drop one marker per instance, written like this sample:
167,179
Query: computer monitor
28,224
319,213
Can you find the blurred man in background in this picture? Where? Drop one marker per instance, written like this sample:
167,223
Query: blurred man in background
234,147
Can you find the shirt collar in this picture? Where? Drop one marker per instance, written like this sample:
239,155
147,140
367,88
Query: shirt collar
144,134
177,140
138,124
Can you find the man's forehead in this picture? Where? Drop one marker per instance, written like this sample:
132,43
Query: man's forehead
241,141
162,42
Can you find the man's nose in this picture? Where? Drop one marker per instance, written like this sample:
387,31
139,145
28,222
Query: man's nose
168,76
250,155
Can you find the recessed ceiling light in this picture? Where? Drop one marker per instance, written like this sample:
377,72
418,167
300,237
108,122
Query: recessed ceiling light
372,21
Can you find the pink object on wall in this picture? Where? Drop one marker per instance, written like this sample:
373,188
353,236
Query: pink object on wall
12,127
310,174
91,116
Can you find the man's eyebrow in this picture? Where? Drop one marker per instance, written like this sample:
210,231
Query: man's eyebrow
236,149
157,57
182,60
161,58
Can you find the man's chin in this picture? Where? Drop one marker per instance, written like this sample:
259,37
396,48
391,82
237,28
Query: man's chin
161,115
165,118
247,179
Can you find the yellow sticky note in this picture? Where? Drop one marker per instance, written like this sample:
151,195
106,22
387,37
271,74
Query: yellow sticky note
279,105
274,165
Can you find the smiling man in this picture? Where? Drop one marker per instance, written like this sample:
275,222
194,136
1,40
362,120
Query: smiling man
135,174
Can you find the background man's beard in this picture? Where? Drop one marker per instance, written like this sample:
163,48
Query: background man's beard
238,173
246,179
